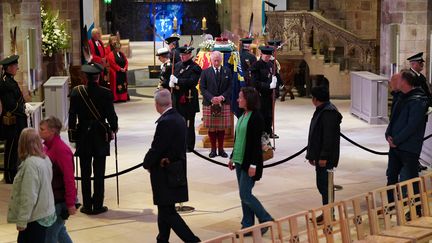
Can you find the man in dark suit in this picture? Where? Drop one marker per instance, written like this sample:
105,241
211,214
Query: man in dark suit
215,87
90,107
166,162
185,94
246,58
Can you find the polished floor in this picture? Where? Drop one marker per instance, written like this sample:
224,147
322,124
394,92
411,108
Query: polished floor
283,190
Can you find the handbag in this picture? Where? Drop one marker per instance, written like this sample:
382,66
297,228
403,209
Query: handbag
9,119
92,108
266,147
73,135
215,110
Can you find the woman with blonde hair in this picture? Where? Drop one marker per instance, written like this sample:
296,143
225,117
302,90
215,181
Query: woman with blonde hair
32,201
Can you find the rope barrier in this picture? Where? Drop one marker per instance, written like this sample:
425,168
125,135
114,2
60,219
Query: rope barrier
225,165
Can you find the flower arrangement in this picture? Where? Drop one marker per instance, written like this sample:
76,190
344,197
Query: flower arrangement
209,45
54,35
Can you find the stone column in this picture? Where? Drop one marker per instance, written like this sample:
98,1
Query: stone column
412,18
331,52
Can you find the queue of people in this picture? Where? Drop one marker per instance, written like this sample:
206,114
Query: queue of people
44,191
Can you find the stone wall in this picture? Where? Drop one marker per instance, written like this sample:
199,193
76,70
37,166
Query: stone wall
70,10
298,5
412,17
23,15
240,16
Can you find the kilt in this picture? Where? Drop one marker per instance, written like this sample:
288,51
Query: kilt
218,122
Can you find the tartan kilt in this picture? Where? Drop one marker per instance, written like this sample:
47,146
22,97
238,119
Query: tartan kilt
220,122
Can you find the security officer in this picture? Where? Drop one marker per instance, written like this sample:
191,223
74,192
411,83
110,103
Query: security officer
166,67
185,94
90,107
276,44
246,58
13,116
265,81
172,43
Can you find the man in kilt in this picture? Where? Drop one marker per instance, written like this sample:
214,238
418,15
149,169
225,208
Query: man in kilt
215,87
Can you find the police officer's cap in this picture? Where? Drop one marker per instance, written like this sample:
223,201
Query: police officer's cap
92,68
9,60
185,49
246,40
162,51
416,58
268,50
173,38
274,42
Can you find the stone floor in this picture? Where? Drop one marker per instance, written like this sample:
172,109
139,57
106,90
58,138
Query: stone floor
283,190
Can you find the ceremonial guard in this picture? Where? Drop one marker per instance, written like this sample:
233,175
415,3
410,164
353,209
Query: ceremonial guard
185,93
92,122
416,65
172,43
264,80
246,58
13,115
166,67
276,44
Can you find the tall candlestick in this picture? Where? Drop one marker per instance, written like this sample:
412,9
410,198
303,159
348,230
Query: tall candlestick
175,23
204,23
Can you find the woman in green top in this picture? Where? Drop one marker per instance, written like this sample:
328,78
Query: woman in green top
32,202
247,157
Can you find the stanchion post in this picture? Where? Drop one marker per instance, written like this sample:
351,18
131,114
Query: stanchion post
330,188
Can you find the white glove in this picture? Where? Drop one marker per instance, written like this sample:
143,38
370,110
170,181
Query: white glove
171,84
173,79
28,109
273,82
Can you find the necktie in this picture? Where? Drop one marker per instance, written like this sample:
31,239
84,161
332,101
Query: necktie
217,75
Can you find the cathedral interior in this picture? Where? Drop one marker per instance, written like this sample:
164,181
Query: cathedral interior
352,46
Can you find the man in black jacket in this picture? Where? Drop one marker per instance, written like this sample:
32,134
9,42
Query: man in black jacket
247,58
91,107
324,139
166,162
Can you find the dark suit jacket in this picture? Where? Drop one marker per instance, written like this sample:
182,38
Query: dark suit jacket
253,154
169,142
210,87
92,138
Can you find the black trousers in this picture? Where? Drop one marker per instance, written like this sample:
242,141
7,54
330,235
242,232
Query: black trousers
34,233
168,219
401,166
322,183
267,113
98,164
12,134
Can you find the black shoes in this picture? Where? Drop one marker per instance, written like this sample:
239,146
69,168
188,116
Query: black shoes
212,154
103,209
223,154
86,211
94,211
421,167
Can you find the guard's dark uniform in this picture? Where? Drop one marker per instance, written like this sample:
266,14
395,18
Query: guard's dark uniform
92,142
247,59
165,75
261,78
185,95
174,53
12,102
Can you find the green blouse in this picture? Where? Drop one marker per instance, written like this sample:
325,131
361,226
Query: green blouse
240,138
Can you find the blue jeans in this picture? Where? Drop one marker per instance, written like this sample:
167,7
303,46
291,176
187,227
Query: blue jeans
250,204
57,232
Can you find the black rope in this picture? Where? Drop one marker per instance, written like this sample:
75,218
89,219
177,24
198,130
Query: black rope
116,174
363,147
265,166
